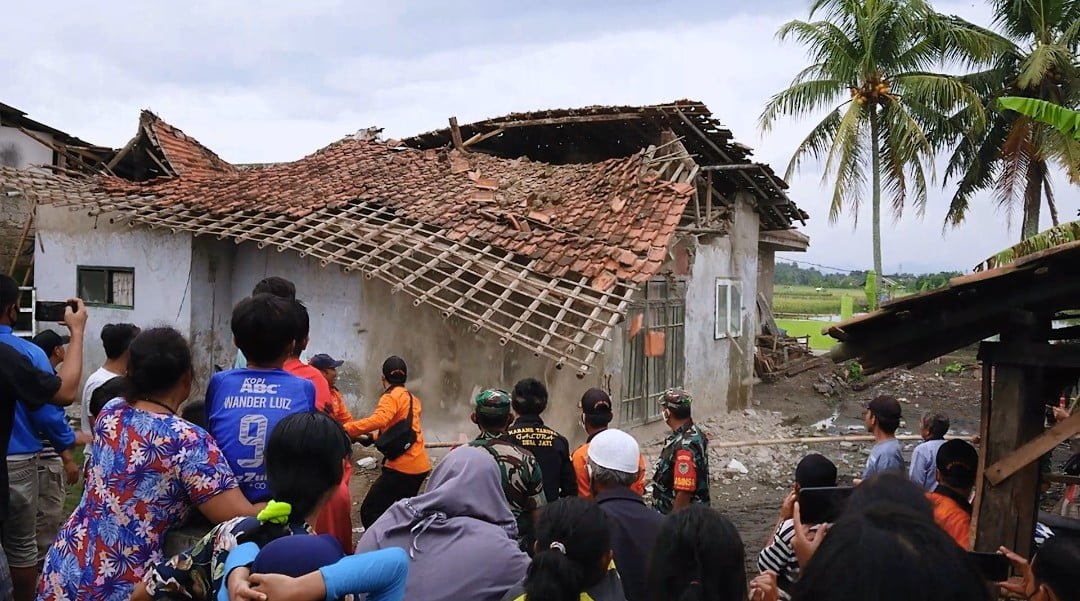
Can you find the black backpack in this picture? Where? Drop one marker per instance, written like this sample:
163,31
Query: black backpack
398,438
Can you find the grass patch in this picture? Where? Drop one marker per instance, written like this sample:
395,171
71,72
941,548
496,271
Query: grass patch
806,327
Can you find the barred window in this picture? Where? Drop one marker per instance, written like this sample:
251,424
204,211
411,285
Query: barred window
654,357
107,286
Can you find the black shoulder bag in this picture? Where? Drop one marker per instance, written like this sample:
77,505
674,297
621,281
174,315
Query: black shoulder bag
398,438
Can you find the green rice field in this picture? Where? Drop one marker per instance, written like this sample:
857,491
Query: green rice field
807,327
806,300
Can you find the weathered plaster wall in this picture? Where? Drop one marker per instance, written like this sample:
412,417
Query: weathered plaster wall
211,307
361,322
161,259
719,372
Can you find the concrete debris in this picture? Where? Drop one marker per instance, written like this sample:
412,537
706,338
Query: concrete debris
736,466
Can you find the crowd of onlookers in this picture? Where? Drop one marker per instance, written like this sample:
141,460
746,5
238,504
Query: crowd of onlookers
262,463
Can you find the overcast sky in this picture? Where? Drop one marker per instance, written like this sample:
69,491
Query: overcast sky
273,81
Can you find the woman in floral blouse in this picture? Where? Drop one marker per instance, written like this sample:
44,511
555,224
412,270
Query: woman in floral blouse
146,471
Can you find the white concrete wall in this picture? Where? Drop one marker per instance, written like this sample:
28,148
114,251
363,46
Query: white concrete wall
361,322
161,260
21,151
719,372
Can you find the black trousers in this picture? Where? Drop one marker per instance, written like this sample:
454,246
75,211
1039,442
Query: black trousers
391,487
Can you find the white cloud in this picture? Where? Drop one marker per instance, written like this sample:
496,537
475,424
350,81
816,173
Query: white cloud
279,82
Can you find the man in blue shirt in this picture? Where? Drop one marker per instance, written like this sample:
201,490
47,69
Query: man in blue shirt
924,457
882,418
244,405
31,388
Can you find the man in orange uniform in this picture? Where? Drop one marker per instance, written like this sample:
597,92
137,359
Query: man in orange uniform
595,416
957,462
401,477
336,516
328,367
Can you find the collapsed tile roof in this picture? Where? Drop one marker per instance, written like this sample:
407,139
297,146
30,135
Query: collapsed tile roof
600,132
546,256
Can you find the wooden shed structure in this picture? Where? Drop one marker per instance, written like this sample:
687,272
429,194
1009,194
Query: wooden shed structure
1028,305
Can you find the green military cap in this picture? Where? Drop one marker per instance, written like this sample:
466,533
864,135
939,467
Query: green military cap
493,402
675,397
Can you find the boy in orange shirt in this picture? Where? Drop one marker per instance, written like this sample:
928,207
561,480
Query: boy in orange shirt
595,416
957,462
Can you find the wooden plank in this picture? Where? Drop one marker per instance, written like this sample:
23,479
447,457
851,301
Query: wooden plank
768,322
986,396
1035,448
1031,354
1061,478
731,167
478,138
565,120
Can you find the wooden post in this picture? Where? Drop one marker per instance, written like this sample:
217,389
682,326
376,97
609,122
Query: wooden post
455,133
1005,514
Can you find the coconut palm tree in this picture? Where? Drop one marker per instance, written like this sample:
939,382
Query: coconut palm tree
871,70
1013,154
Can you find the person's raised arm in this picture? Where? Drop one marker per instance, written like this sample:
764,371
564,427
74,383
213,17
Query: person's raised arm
381,419
70,371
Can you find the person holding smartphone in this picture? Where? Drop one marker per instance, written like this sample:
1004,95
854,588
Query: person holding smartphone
778,556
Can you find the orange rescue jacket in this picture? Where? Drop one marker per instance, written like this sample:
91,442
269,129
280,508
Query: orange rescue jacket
393,406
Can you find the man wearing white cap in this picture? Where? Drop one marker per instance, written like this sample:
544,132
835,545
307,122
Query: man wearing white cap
613,457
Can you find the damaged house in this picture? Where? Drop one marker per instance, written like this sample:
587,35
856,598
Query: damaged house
612,247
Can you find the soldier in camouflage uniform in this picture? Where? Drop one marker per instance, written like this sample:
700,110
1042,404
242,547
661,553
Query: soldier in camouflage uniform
522,480
682,472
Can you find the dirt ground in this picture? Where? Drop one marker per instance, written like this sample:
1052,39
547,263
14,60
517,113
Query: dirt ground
788,408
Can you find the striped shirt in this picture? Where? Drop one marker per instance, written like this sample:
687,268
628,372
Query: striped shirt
780,557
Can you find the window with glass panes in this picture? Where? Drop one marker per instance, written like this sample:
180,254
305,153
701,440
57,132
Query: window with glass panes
107,286
654,357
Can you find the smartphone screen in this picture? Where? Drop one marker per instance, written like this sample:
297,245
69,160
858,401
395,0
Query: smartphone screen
822,505
50,311
994,567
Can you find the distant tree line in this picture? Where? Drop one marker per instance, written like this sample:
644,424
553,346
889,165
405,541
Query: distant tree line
790,274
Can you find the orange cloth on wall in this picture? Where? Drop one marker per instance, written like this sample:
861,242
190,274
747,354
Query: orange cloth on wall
951,517
581,472
393,407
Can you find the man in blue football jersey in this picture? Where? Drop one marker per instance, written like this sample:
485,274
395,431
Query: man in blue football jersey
244,405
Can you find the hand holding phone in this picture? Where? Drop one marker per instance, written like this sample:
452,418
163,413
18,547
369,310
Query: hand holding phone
994,567
823,505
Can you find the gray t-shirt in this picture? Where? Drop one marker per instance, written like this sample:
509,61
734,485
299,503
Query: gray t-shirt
884,456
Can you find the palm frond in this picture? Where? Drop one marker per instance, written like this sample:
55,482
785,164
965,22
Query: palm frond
1017,155
905,148
801,99
826,44
846,154
817,142
1036,67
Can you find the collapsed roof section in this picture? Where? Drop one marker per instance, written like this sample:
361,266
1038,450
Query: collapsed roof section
75,155
545,256
161,150
593,134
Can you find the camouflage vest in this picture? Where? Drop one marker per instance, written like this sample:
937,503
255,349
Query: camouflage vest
683,464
